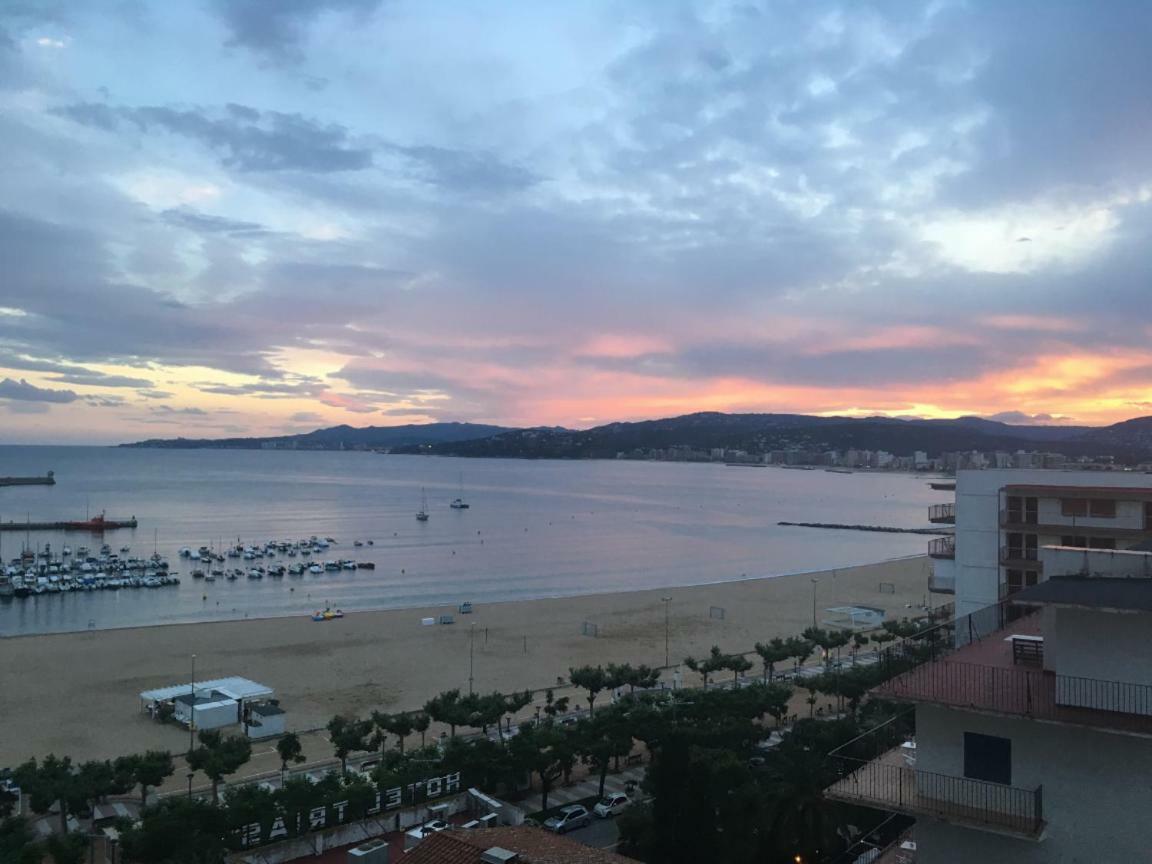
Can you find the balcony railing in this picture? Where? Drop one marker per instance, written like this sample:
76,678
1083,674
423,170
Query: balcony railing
943,665
1019,556
942,547
891,781
942,514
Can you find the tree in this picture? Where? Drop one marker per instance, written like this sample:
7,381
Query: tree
177,830
67,848
446,708
602,738
776,650
17,843
218,757
348,735
146,770
420,723
547,750
52,781
515,703
590,678
738,664
289,749
554,706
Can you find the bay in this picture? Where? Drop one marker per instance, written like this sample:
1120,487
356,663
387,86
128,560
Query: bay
534,529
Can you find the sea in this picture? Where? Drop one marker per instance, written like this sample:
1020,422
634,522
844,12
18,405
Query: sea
534,529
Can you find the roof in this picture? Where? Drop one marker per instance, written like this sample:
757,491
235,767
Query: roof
1107,593
233,688
534,846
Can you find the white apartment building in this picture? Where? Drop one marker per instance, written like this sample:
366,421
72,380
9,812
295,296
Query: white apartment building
1004,517
1029,737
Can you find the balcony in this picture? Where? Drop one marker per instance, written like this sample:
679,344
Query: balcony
1019,557
942,514
891,781
994,673
942,547
1019,521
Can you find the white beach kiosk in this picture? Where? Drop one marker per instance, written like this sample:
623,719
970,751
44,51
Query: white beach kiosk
207,704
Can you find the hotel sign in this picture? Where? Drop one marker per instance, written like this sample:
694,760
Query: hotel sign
331,815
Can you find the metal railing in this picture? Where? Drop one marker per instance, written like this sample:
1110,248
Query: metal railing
942,547
975,803
1011,554
874,771
922,668
942,513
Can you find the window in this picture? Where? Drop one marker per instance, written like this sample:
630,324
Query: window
1102,543
1079,542
1102,509
1073,507
988,757
1148,515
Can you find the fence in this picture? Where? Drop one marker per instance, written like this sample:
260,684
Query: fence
874,772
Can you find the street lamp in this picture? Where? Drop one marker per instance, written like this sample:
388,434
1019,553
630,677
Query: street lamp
667,612
815,582
471,652
192,715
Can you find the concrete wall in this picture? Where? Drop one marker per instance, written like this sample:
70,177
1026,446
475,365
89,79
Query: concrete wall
1096,791
1104,647
1070,561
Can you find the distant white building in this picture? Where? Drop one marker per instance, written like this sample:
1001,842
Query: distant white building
1003,519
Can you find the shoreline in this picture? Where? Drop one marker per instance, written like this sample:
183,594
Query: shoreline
375,609
76,693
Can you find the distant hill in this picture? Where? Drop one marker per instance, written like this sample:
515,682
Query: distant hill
340,438
758,433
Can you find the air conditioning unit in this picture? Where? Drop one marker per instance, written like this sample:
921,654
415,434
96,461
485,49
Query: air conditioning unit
496,855
372,852
468,826
491,820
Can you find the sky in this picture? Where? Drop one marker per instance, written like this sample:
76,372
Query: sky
240,217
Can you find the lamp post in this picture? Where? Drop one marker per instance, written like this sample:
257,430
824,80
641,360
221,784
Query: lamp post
667,601
192,715
815,582
471,654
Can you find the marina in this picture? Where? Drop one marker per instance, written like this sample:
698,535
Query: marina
534,529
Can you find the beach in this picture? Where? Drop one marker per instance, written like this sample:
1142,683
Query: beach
76,694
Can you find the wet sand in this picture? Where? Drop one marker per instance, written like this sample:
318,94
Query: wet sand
77,693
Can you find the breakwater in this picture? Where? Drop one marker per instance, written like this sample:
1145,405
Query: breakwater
885,529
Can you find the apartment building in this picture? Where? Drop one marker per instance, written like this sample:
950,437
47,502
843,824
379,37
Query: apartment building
1028,736
1004,518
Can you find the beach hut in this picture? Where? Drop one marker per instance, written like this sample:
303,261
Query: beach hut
206,704
264,720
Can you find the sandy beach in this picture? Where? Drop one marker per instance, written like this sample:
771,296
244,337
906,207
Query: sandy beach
77,693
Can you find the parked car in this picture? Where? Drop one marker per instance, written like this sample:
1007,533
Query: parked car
572,816
611,804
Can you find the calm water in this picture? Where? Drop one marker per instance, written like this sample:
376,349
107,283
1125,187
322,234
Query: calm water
535,529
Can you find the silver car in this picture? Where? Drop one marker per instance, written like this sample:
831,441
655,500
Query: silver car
570,817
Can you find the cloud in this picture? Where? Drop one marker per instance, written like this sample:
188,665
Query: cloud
475,172
193,220
276,31
246,139
100,379
22,391
1022,418
306,417
168,409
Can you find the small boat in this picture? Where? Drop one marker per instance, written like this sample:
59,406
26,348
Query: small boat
458,503
327,615
422,516
365,565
